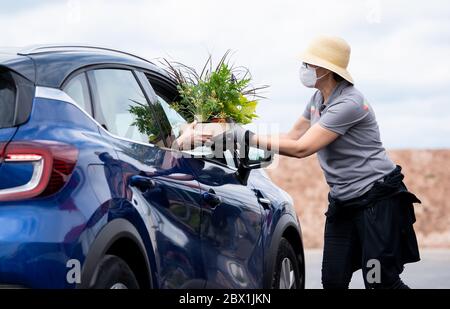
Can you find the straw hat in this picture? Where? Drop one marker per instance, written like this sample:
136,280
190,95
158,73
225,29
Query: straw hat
331,53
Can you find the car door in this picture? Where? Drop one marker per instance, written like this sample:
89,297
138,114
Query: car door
231,228
155,181
231,215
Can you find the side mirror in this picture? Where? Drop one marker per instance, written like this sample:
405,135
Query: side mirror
251,158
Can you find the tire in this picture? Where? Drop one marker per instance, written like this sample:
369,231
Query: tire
114,273
287,273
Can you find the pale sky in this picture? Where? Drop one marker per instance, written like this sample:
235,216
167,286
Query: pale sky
400,49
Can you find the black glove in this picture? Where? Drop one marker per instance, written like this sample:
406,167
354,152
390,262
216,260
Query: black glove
233,140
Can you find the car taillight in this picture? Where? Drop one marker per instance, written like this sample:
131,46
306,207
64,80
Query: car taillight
52,164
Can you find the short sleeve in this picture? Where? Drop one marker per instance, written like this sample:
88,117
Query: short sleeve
340,117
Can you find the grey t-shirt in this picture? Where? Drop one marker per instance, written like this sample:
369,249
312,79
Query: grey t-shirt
357,158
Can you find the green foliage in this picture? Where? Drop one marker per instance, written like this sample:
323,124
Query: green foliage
223,92
144,121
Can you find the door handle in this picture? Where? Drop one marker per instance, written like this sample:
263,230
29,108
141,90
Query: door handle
265,202
141,182
211,198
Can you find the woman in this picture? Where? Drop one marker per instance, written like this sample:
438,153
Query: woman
370,214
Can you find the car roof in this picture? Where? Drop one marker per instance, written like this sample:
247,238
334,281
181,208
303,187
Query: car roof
50,65
23,65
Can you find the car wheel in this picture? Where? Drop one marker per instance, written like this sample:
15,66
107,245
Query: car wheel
287,273
114,273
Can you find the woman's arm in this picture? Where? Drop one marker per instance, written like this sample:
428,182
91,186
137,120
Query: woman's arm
309,143
299,129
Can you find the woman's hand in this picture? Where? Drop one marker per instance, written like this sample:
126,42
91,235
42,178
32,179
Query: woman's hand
191,137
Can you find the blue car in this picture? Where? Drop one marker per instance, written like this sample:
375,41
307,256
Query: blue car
87,201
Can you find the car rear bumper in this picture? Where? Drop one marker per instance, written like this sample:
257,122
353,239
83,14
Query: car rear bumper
36,243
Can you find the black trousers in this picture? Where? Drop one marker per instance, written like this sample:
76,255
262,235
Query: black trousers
369,238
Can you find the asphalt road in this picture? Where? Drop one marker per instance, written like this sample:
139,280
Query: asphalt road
432,272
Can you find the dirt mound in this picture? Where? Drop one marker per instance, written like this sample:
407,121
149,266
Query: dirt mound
427,174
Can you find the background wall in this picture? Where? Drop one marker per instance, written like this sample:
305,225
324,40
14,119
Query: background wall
426,174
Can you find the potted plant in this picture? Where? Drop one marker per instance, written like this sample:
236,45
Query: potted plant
218,96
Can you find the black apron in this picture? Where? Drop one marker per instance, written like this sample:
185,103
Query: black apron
377,225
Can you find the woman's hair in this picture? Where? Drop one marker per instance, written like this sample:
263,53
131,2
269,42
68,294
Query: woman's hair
337,77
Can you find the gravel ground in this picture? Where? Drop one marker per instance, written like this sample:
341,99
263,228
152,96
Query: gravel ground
432,272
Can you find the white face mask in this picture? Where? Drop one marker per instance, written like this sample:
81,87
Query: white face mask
308,76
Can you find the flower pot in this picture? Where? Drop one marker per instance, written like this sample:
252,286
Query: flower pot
213,126
219,120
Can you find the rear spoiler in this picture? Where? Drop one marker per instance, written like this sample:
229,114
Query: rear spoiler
21,65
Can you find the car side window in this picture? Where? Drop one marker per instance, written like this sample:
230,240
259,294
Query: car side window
77,88
175,119
116,90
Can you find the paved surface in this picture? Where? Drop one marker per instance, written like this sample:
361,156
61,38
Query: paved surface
432,272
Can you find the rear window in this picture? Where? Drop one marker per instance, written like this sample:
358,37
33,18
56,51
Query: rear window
7,99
